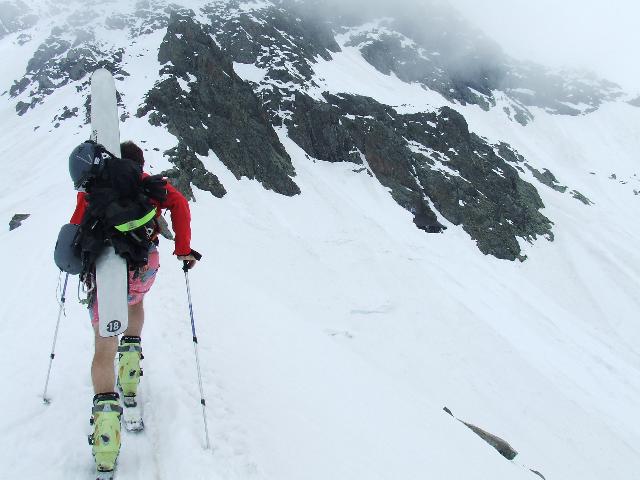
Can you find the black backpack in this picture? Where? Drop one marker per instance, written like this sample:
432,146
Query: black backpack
119,213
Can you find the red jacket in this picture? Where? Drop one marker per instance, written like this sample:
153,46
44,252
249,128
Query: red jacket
177,205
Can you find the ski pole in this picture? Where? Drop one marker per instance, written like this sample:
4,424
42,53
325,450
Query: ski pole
195,349
55,338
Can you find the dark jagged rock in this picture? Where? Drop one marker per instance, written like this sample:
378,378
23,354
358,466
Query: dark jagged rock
333,133
427,156
17,220
72,53
208,107
496,442
283,41
547,178
58,61
578,196
503,447
22,107
508,154
64,115
427,222
256,37
317,127
190,170
479,190
518,113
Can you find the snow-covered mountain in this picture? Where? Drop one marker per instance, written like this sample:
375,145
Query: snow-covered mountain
396,217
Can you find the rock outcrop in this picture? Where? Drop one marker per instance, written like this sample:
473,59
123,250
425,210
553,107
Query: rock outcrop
431,162
202,101
17,219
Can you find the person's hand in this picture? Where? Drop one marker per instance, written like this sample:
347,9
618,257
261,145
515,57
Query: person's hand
189,260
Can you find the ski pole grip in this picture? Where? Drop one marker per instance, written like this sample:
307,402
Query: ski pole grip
197,256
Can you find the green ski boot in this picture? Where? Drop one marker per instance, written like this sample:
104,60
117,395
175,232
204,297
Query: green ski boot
105,439
129,371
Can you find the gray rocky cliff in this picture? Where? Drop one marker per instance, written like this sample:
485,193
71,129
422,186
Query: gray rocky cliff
431,163
209,108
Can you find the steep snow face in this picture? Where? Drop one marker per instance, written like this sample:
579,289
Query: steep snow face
332,332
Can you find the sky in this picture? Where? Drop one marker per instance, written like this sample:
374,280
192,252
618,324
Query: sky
601,35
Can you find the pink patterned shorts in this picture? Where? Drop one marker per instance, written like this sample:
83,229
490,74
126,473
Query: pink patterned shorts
140,282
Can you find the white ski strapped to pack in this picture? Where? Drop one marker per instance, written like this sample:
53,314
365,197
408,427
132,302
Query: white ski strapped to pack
111,269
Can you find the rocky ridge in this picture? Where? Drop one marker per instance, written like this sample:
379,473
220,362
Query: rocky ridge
392,47
433,166
207,107
63,58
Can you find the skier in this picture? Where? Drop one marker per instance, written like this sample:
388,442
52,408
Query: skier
106,410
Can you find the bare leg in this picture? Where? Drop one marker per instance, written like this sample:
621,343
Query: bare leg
136,320
102,374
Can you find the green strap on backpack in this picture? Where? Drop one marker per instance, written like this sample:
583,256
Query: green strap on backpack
133,224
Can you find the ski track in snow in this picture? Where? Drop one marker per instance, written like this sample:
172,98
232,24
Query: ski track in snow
331,331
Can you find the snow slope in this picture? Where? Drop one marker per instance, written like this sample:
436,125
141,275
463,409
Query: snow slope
332,331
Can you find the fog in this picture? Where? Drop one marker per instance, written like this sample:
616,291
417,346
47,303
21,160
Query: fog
600,35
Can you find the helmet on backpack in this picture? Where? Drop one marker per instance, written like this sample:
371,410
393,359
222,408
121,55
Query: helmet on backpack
85,162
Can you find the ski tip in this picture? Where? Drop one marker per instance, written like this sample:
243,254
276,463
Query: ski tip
101,72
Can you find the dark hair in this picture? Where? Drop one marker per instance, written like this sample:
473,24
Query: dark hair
133,152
